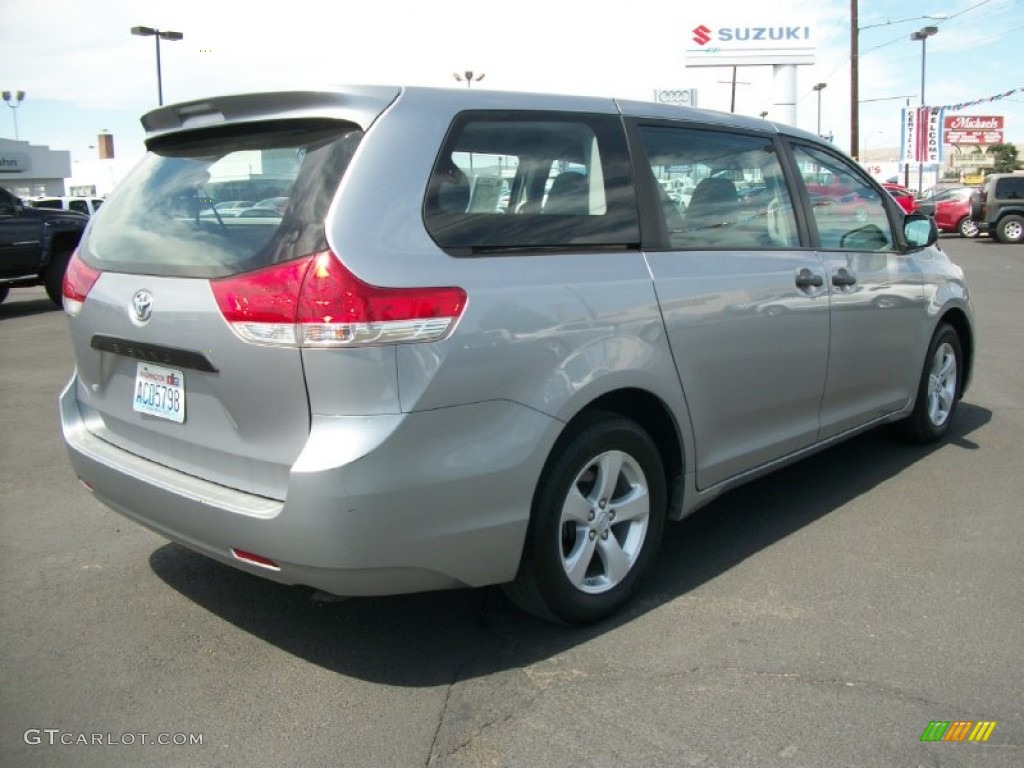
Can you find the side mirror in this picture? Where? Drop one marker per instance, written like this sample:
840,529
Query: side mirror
919,230
925,208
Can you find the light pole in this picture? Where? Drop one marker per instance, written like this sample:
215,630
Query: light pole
13,100
855,31
819,88
468,77
158,34
922,34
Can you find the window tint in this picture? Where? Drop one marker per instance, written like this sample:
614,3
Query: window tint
848,211
162,220
1010,189
506,181
78,205
719,190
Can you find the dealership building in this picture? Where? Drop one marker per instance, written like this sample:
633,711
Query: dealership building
31,170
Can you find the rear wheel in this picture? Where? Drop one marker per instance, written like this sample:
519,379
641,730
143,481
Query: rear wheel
55,276
968,227
596,523
1010,229
939,389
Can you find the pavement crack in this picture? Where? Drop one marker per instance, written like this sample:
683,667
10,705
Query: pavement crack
444,709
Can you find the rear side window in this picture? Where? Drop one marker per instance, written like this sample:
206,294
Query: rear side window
515,180
163,219
719,190
1010,189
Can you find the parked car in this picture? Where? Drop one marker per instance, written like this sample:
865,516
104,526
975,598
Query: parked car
86,205
388,390
233,206
36,245
901,195
953,211
999,207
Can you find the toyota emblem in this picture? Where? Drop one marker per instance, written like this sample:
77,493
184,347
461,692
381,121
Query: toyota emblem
142,305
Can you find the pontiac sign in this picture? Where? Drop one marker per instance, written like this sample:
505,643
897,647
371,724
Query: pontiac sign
974,129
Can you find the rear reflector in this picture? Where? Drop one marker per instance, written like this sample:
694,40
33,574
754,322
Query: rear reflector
79,279
249,557
316,302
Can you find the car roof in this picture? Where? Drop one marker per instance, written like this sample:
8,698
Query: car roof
361,104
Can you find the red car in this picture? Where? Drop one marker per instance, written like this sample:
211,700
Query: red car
902,195
953,211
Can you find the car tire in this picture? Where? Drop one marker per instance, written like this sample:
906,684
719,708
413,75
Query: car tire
4,290
1010,229
968,227
596,523
938,392
976,205
55,276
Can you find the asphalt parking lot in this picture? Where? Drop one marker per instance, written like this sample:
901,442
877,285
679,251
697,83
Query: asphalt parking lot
823,616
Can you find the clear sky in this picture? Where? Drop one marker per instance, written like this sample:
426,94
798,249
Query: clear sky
83,72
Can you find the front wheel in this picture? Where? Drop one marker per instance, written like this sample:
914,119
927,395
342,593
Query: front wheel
939,389
968,227
596,523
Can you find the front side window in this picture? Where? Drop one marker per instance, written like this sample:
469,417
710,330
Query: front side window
522,180
719,190
163,219
848,212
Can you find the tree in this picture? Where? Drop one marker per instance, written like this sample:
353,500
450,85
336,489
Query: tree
1005,156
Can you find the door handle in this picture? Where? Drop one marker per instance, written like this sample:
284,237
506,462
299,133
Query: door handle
807,279
843,279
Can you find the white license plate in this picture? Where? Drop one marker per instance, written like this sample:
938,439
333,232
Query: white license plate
160,392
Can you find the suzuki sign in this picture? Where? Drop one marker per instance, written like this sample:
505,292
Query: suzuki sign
717,46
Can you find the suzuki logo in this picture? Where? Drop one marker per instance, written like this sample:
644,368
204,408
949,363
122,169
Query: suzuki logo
702,35
142,305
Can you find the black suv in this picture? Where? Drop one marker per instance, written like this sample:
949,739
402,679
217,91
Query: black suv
35,245
999,207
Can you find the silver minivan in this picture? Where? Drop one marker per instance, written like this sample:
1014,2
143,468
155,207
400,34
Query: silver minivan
482,341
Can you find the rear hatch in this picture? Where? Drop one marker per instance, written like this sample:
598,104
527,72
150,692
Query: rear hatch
163,284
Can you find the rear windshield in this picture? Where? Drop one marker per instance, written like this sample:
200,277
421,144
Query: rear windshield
165,218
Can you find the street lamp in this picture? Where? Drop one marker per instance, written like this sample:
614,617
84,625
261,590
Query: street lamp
855,66
468,77
922,34
819,88
13,100
158,34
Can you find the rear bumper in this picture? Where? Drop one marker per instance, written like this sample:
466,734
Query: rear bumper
375,505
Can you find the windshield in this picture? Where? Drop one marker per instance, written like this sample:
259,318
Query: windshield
164,219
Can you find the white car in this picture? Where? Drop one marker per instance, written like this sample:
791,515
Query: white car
86,205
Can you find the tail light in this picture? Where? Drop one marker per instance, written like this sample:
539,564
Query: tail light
79,279
316,302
